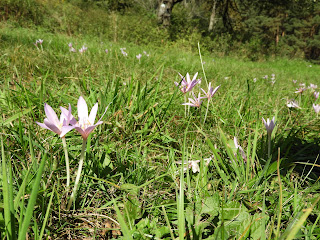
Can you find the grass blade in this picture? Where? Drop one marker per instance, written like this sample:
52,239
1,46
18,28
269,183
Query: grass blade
32,200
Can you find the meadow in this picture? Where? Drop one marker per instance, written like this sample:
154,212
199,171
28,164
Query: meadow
156,169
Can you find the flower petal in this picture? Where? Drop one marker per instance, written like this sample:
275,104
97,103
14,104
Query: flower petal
65,130
52,126
93,114
43,125
51,114
82,109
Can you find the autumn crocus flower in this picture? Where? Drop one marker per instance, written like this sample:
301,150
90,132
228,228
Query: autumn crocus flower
300,90
313,86
83,49
210,92
238,147
187,84
85,124
60,127
52,123
292,104
316,108
139,56
269,124
316,95
195,101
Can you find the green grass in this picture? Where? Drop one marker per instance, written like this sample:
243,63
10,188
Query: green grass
132,185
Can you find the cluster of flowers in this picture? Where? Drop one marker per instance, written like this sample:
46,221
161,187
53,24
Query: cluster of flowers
194,164
81,50
67,122
273,78
302,88
84,49
40,41
186,85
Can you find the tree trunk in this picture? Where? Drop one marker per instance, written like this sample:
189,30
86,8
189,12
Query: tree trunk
213,20
165,10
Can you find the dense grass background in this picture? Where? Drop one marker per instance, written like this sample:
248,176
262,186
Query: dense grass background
132,185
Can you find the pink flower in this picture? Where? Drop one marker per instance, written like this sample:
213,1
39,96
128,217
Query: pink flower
187,85
316,95
139,56
300,90
124,53
313,86
195,101
316,108
52,123
269,124
85,124
210,92
238,147
83,49
292,104
106,51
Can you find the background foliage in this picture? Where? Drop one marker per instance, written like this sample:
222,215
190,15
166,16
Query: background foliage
251,28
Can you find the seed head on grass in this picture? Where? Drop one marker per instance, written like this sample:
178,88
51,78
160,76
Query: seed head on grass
52,123
187,84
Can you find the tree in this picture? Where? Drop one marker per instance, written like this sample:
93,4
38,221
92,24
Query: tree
164,11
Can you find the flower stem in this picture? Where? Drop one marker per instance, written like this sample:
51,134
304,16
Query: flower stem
205,116
67,160
185,106
269,145
74,191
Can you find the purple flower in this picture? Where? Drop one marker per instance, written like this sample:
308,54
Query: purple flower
85,124
195,101
269,124
265,77
316,108
210,92
124,52
187,85
70,45
194,164
292,104
313,86
83,49
52,123
238,147
316,95
139,56
106,51
300,90
294,81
